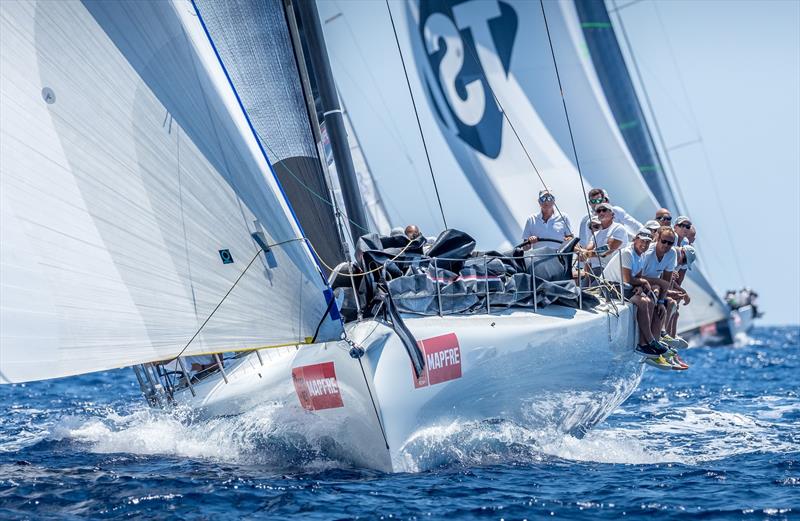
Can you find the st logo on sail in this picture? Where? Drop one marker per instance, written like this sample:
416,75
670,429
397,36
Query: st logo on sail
467,42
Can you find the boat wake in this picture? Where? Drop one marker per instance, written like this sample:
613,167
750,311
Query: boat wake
268,438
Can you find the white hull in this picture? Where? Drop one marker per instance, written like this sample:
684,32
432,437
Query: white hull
559,368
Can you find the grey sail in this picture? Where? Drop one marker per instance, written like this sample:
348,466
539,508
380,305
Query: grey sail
254,44
132,188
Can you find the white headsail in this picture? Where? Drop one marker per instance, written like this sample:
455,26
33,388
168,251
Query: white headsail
132,185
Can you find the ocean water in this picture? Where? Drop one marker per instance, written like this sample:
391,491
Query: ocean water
720,441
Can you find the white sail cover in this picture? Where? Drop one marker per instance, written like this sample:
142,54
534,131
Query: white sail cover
130,177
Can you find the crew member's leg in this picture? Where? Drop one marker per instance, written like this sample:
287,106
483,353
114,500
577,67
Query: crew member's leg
643,315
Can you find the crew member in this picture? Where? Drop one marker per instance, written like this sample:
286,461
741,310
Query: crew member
658,265
609,237
547,225
596,197
664,217
638,291
682,227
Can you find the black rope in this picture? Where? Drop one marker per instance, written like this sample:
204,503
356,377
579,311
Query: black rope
374,406
416,113
566,114
571,136
516,134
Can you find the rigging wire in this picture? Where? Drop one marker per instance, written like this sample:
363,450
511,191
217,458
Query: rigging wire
569,127
649,104
518,138
416,113
224,297
706,158
566,113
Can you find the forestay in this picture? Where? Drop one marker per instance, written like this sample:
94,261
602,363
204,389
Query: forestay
255,46
130,181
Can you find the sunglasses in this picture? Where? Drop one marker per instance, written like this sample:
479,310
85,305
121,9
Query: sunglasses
601,210
670,243
664,218
685,225
547,199
596,201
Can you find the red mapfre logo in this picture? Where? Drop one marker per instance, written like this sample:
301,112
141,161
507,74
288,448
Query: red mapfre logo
317,387
442,360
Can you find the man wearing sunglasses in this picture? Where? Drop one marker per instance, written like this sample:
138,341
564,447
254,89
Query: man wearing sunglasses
664,217
638,291
607,237
683,226
599,196
658,265
547,225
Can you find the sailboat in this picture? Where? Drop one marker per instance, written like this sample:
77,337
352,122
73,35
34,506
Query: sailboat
504,108
165,207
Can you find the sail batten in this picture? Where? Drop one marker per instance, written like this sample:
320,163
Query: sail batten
131,187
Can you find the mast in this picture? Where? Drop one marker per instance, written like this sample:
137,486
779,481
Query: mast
332,114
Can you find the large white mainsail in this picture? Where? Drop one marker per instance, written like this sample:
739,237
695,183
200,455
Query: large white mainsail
130,178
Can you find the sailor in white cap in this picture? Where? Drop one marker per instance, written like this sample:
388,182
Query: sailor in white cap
639,292
683,226
597,196
548,225
610,237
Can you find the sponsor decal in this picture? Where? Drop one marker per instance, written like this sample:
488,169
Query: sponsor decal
317,387
708,329
466,42
442,360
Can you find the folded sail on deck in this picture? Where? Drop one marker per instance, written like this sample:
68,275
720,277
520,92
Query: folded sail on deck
131,186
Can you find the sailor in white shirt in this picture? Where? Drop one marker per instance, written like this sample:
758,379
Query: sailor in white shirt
637,290
610,237
596,197
682,227
547,225
658,265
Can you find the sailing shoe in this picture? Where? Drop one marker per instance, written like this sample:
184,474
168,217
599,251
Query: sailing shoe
675,361
659,362
674,342
661,347
649,351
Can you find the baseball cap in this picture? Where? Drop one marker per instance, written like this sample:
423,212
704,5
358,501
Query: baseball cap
652,225
644,234
604,205
682,219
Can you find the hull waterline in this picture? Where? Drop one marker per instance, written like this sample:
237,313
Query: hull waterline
558,368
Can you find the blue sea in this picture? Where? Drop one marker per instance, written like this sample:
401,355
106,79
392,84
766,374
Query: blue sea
720,441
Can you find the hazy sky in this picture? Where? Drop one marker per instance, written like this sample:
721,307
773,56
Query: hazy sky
726,71
740,64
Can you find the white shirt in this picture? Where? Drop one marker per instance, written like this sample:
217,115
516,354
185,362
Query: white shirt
631,225
615,231
630,260
652,267
556,227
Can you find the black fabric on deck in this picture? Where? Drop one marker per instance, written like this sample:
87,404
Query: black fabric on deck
456,280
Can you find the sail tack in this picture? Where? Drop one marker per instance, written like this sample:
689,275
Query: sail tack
131,186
